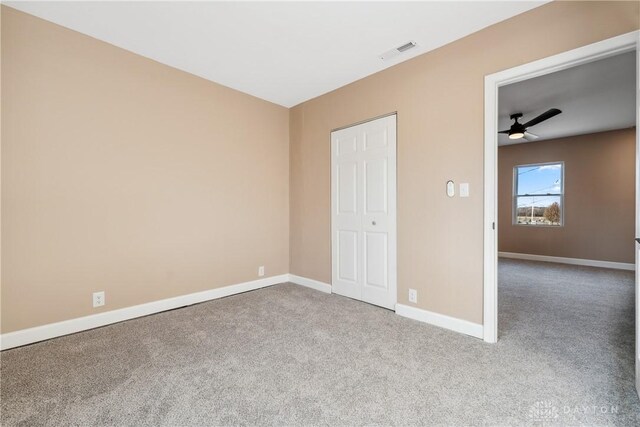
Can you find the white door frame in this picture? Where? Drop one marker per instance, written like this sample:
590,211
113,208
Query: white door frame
393,200
593,52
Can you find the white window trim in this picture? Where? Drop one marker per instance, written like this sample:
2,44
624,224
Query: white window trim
514,195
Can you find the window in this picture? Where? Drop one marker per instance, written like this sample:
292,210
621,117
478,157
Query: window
538,197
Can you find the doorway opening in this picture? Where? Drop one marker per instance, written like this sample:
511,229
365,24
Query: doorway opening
545,193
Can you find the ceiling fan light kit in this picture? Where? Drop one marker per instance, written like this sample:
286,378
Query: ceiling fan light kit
519,130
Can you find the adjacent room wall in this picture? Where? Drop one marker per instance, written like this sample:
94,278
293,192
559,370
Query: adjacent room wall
124,175
599,201
440,103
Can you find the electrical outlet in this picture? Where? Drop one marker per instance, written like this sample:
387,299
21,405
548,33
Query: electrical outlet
413,296
98,299
261,271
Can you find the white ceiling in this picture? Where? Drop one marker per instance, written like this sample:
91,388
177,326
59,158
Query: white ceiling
593,97
284,52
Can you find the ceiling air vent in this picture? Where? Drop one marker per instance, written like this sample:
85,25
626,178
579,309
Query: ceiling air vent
397,51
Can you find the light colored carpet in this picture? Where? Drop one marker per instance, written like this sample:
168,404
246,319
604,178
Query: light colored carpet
287,355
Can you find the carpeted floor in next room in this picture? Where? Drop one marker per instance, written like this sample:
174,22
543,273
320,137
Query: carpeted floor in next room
288,355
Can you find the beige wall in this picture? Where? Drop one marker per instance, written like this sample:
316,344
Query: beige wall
439,100
124,175
599,202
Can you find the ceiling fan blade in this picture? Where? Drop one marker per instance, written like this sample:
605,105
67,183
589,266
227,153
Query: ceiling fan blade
504,131
530,137
542,117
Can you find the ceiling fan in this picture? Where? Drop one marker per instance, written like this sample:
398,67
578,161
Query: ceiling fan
519,130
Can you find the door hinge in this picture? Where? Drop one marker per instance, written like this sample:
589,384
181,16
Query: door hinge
493,225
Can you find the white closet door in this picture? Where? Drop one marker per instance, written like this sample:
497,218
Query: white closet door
363,211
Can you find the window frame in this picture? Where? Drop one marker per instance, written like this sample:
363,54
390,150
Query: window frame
515,196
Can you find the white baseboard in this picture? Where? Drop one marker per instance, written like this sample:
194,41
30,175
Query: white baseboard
574,261
310,283
441,320
52,330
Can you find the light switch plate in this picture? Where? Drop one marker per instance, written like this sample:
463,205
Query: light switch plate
464,189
